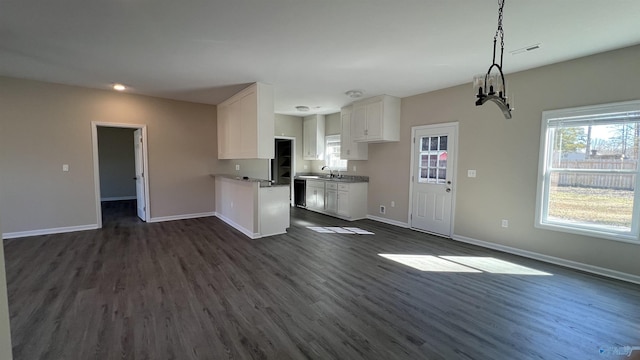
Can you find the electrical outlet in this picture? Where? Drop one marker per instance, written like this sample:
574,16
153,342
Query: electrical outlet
505,223
237,167
65,167
393,204
383,210
471,173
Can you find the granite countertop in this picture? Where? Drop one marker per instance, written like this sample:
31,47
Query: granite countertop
327,177
262,182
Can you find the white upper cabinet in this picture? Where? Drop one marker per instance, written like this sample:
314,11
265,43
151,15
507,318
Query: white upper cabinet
349,149
246,123
376,119
313,137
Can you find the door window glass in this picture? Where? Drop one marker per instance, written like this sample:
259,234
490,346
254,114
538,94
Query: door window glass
433,159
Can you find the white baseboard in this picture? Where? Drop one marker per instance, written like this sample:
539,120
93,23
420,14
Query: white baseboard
551,259
388,221
181,217
238,227
118,198
60,230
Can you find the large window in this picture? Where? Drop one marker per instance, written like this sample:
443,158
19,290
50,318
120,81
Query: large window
589,171
332,153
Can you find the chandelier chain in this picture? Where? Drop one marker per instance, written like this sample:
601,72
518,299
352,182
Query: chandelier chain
500,31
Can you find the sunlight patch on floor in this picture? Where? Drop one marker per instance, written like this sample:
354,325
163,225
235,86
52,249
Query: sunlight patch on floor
462,264
429,263
301,222
339,230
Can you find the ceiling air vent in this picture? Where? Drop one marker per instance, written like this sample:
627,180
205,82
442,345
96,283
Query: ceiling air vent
526,49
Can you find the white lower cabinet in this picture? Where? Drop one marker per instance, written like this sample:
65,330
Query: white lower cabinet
273,208
342,207
315,195
331,191
255,211
347,201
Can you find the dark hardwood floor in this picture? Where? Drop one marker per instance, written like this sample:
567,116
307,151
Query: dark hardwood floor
198,289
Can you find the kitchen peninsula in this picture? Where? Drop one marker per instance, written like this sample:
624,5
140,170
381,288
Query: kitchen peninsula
255,207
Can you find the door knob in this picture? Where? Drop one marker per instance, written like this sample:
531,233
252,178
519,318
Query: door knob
448,189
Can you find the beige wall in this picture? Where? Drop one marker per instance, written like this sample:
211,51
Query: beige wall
285,125
117,162
253,168
291,126
505,155
43,126
5,334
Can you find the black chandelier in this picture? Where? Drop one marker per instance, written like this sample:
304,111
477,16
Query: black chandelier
491,87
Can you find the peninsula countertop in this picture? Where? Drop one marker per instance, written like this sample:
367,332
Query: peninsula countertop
261,182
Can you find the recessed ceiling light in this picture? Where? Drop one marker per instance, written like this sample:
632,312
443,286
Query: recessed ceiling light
119,87
302,108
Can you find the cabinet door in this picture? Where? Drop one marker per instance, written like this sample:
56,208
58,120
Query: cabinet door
311,197
223,132
332,201
313,136
309,139
345,135
245,124
359,123
349,149
320,198
374,120
248,126
343,204
315,195
234,130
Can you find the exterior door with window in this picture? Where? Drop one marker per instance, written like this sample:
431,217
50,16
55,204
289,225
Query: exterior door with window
432,178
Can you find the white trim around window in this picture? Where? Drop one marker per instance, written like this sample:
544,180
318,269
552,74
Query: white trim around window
588,154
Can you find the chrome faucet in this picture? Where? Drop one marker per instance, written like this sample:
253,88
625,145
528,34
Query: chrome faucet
330,171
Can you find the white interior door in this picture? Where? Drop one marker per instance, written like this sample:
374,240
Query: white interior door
432,178
139,159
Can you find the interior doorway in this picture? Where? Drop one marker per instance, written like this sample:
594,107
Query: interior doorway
137,179
432,189
283,165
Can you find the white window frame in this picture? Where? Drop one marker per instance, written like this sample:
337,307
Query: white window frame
341,164
582,115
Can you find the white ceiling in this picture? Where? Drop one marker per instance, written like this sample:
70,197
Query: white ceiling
312,51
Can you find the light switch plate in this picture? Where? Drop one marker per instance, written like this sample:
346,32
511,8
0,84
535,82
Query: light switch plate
471,173
65,167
